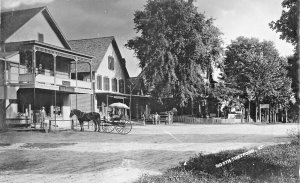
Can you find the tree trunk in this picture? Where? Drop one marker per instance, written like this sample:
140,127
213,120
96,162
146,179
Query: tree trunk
192,107
274,115
257,112
286,117
249,112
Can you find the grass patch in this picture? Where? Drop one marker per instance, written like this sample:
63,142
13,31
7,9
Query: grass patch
45,145
270,164
294,135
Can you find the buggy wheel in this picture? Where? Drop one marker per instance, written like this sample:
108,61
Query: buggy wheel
107,127
123,127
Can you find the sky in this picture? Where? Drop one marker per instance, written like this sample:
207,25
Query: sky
79,19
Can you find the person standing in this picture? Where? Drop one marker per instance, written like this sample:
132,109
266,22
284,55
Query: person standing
42,116
156,118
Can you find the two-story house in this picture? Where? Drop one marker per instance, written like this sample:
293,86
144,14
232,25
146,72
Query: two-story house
38,61
112,81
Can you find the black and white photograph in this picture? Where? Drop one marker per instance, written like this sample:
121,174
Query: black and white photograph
149,91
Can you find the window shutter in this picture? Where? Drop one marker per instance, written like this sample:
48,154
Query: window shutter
99,82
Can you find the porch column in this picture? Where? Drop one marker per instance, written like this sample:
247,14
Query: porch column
54,68
76,60
92,88
54,73
76,80
34,74
34,62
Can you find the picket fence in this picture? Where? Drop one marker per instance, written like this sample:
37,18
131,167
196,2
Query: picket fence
196,120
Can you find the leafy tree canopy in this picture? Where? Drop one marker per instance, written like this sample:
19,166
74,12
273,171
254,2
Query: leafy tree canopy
256,68
288,22
176,46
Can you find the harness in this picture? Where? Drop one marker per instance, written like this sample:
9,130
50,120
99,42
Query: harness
81,115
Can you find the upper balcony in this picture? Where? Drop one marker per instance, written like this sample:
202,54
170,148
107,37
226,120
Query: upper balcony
60,82
48,67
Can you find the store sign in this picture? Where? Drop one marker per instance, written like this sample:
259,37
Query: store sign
66,83
66,89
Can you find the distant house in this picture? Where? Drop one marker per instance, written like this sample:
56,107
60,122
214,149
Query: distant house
111,79
36,60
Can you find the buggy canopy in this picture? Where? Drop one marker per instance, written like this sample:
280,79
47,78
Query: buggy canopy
119,105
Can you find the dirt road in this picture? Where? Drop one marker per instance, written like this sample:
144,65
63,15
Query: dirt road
97,157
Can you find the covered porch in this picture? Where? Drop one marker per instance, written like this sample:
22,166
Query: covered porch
44,80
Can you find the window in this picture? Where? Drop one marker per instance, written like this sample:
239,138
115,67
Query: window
106,83
40,37
99,82
111,63
114,84
121,86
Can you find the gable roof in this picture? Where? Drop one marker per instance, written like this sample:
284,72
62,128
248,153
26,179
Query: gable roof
12,21
96,47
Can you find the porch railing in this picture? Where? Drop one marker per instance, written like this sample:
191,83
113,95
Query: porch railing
26,78
29,78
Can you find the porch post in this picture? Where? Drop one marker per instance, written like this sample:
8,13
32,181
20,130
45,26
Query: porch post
54,68
34,74
54,72
34,62
91,80
76,60
76,81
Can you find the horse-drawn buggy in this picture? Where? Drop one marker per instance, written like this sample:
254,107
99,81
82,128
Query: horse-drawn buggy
113,122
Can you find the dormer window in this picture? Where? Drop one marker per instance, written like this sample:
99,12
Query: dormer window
111,63
41,37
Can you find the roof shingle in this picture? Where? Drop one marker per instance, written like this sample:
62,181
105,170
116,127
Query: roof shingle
11,21
96,47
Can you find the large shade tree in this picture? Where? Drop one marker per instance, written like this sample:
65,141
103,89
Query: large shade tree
287,25
288,22
177,46
255,69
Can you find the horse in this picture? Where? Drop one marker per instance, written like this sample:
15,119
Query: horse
81,116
